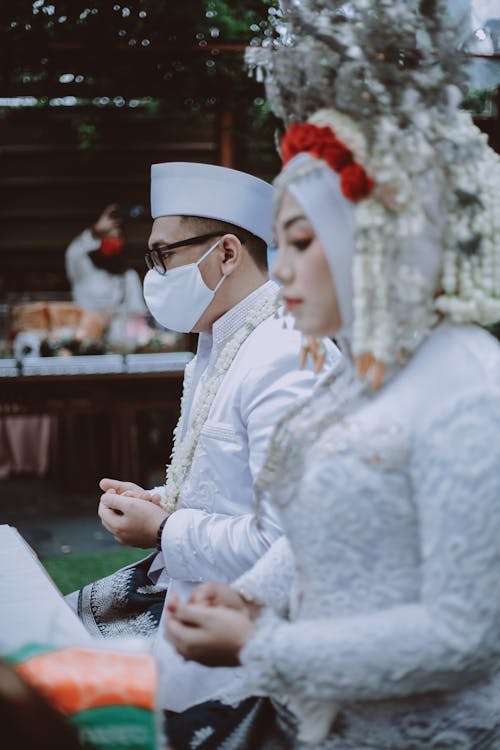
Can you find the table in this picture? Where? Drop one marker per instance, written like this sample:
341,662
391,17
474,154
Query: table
33,609
100,418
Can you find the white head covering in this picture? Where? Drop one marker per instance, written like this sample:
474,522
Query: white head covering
317,189
409,274
212,192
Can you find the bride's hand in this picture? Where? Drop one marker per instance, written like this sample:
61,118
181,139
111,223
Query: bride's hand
213,594
213,636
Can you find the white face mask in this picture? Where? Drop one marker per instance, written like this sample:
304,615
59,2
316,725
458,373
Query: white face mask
179,299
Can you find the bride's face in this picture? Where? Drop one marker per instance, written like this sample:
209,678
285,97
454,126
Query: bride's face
308,289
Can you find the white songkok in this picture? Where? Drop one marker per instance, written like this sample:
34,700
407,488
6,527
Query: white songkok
212,192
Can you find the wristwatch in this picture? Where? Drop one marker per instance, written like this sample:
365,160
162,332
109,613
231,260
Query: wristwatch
159,534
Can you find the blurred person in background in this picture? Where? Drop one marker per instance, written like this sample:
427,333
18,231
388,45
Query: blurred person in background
100,279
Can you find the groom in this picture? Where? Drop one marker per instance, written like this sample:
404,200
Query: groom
208,273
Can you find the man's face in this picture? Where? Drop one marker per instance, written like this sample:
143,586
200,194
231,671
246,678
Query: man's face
168,230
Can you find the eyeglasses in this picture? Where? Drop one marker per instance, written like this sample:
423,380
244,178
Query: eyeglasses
154,258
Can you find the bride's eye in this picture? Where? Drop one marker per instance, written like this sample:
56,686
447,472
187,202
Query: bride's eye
302,243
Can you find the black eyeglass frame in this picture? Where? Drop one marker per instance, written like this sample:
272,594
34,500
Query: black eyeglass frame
156,254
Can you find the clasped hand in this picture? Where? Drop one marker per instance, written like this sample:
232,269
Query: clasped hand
130,513
212,627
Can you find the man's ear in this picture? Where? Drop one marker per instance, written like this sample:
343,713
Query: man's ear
232,251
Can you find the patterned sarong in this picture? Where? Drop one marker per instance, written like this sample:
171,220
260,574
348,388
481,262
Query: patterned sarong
123,603
254,724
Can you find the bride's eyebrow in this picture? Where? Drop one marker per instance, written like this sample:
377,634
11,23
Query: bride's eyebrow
293,220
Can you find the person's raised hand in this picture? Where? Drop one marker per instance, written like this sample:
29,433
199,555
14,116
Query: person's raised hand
129,489
130,520
213,636
108,224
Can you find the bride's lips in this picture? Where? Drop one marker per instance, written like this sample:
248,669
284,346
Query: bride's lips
292,302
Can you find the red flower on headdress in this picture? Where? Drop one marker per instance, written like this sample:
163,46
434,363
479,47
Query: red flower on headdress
323,144
336,155
298,138
355,183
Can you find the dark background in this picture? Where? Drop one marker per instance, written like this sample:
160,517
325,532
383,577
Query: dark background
114,87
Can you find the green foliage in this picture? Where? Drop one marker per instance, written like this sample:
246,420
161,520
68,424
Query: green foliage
86,132
160,55
188,52
255,139
234,24
71,572
481,102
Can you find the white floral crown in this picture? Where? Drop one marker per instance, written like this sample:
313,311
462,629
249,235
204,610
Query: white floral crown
385,78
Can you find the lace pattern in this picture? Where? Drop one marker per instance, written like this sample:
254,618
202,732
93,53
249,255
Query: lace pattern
394,635
271,591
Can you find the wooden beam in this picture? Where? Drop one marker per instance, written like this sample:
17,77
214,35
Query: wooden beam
227,139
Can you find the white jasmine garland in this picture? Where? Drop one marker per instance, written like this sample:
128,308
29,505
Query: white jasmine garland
471,279
341,125
184,450
427,240
387,320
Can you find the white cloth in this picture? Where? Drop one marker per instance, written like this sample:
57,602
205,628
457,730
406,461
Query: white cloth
33,610
387,592
478,29
217,192
333,217
214,533
96,289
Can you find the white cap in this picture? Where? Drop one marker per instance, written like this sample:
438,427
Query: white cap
188,189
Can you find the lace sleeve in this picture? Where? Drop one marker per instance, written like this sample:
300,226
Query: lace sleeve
451,635
270,579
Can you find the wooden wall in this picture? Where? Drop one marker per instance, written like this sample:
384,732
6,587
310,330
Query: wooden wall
51,188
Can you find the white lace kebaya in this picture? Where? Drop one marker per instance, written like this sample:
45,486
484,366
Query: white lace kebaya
383,627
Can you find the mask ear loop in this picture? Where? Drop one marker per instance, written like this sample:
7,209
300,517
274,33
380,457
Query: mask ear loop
210,249
207,253
220,283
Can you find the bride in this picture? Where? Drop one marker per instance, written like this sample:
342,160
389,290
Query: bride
376,622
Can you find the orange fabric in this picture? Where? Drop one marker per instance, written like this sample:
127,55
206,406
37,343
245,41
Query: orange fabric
76,679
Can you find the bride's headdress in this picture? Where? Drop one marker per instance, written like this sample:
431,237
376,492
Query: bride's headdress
372,89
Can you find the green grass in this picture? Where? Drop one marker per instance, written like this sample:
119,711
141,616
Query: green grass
74,571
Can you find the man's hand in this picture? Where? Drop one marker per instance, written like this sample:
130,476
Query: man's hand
131,520
129,489
213,636
212,594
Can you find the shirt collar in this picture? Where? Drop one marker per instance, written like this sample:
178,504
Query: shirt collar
229,323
